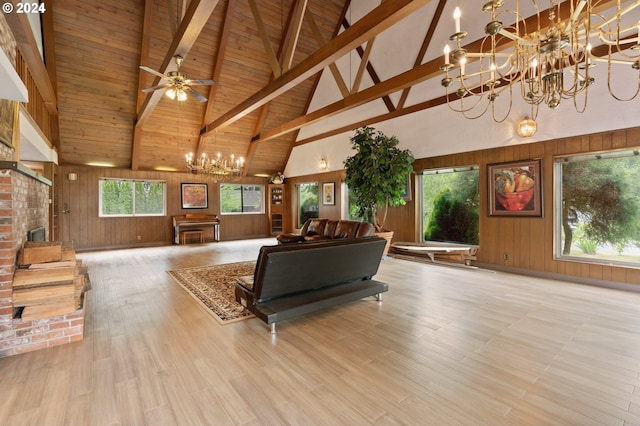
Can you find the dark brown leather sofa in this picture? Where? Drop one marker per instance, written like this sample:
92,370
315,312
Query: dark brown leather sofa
295,279
325,229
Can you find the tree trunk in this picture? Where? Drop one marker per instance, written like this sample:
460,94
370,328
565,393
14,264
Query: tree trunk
568,232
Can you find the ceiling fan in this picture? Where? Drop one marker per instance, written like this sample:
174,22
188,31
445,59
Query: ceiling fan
177,84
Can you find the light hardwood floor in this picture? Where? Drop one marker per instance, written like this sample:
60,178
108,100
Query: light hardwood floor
447,346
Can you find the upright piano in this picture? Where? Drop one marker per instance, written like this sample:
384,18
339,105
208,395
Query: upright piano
186,222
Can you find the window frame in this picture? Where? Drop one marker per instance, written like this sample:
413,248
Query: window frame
298,186
242,185
558,233
133,190
440,171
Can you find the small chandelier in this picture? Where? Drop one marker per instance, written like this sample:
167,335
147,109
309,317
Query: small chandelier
547,61
219,168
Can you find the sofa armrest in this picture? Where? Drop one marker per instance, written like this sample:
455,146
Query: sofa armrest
289,238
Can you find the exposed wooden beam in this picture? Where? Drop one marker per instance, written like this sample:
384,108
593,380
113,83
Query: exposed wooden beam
140,98
406,79
335,72
19,26
195,19
336,30
364,62
371,70
425,45
219,57
264,109
378,20
293,33
377,119
192,24
268,47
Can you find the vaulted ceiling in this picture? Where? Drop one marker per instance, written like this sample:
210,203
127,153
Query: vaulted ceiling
280,70
242,45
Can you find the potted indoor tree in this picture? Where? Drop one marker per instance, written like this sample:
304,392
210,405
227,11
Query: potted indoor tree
377,176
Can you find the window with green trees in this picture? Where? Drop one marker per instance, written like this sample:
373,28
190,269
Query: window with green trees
123,197
597,207
307,194
450,205
236,198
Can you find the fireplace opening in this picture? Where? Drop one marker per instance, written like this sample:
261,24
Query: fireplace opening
37,234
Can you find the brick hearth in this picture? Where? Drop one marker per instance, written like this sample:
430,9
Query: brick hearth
24,205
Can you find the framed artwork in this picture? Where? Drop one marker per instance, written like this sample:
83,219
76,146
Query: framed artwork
515,188
8,121
329,194
194,196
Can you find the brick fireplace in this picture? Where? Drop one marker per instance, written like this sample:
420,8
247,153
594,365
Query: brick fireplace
24,206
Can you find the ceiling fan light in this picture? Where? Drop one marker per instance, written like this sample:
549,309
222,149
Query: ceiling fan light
171,93
527,128
182,95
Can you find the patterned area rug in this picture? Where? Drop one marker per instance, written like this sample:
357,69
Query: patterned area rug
214,287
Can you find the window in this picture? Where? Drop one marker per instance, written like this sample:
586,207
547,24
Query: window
122,197
597,207
307,194
241,199
351,207
450,205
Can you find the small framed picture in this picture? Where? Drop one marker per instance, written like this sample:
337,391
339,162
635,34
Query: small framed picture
194,196
515,188
329,194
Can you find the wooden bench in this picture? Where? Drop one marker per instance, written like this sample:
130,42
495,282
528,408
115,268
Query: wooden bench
191,233
437,251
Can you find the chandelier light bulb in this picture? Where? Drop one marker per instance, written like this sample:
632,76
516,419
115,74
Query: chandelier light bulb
551,63
456,17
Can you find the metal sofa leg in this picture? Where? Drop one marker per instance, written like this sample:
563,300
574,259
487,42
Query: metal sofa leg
379,297
273,328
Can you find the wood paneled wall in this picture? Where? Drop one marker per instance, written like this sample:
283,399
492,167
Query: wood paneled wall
77,211
328,212
527,241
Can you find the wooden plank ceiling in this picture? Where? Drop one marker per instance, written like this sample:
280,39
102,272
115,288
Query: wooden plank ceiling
242,44
265,56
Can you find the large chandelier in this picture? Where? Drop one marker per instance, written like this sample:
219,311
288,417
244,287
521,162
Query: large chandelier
547,57
219,168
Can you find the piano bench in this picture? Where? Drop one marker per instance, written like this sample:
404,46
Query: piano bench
190,233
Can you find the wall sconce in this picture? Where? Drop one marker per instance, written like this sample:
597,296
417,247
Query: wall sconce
72,176
526,128
322,165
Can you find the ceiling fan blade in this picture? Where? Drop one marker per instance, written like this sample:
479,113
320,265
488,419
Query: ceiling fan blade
196,95
154,72
153,88
201,82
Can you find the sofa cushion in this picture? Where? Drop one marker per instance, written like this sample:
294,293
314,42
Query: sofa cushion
346,229
313,227
330,228
325,229
365,229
